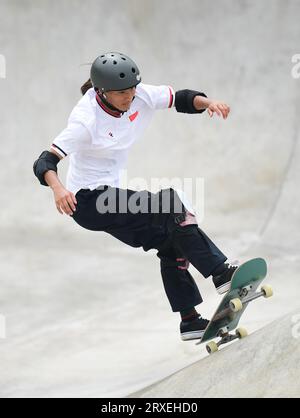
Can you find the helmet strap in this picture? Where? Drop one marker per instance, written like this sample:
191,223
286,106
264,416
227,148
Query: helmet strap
102,101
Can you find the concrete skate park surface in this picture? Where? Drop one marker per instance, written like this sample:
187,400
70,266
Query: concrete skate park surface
82,314
266,364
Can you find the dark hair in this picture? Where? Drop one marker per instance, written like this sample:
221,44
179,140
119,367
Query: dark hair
87,85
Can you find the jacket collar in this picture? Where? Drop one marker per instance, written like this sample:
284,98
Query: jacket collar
107,107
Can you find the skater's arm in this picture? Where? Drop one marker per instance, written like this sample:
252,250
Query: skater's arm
192,101
185,101
72,139
45,168
65,201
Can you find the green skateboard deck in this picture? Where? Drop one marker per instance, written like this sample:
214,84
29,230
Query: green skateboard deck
244,284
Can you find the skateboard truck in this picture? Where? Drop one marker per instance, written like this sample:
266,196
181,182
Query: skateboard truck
237,304
226,337
265,291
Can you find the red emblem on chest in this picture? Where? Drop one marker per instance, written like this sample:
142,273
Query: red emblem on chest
133,116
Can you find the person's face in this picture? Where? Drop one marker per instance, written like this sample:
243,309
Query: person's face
121,99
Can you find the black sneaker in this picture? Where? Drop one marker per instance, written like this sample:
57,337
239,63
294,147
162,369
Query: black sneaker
194,329
222,281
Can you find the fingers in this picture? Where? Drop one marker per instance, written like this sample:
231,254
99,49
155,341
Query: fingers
221,109
66,208
213,108
218,110
67,204
210,112
74,199
225,110
71,203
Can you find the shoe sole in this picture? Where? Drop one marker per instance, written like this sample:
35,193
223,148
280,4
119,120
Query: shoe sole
193,335
224,288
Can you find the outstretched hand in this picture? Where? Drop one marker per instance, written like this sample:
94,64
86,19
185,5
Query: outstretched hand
220,108
65,201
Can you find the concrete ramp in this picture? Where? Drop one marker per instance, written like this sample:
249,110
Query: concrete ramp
265,364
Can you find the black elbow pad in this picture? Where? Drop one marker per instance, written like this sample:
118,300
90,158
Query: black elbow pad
184,101
46,161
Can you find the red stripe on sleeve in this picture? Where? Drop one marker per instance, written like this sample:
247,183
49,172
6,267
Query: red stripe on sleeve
171,98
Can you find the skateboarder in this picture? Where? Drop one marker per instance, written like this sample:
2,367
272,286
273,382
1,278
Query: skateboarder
112,114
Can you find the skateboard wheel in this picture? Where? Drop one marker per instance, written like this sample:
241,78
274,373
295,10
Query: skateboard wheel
241,332
212,347
267,290
236,305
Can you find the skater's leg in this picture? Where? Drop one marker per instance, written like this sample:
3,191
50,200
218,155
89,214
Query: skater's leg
195,245
180,287
192,242
198,248
187,238
182,292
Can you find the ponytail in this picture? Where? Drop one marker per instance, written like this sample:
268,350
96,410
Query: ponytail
86,86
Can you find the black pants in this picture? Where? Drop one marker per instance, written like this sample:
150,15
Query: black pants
176,244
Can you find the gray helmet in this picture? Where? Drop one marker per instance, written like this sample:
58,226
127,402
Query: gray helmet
114,71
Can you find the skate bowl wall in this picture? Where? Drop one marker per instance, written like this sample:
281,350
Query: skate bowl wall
242,160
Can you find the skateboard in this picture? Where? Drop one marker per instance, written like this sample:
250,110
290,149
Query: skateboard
244,283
